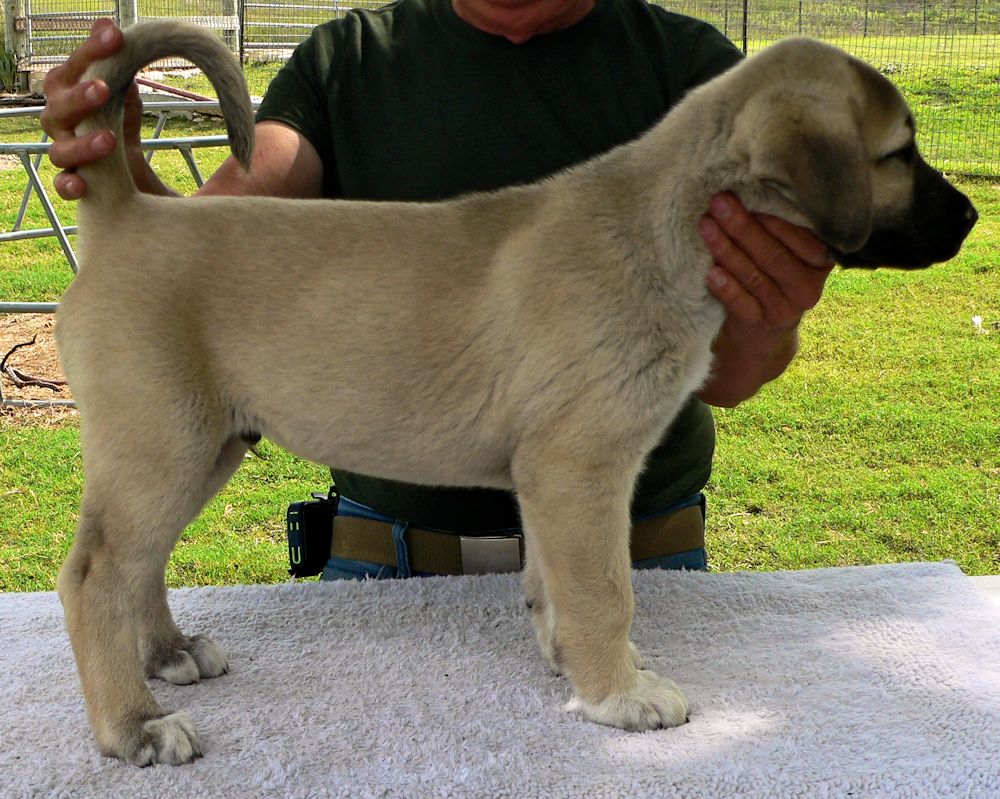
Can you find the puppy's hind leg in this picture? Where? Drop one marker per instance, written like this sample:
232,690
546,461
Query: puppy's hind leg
166,652
142,487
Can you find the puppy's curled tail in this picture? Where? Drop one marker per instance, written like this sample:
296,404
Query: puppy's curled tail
109,180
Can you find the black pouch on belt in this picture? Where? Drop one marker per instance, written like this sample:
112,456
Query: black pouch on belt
310,531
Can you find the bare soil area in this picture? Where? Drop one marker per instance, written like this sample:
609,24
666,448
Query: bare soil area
30,364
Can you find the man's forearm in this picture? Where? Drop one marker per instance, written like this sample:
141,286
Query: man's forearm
145,178
741,368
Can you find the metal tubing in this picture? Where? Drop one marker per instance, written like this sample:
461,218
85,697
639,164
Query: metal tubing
185,151
50,211
34,148
39,403
28,307
36,233
161,120
28,190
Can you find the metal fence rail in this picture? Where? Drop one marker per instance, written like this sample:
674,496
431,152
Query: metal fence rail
30,155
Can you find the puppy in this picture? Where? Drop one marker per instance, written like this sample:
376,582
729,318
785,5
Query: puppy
540,340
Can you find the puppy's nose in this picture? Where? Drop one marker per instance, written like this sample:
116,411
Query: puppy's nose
971,217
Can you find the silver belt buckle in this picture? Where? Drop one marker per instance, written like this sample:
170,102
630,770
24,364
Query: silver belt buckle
490,554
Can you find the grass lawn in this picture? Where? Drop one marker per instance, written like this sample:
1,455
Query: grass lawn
880,444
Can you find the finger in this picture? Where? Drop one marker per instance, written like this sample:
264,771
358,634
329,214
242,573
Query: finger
105,38
739,267
67,107
740,306
802,242
764,250
803,284
73,152
773,247
69,185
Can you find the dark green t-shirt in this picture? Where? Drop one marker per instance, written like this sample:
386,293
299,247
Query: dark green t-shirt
409,102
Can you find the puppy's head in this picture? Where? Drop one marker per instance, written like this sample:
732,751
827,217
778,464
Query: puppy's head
835,141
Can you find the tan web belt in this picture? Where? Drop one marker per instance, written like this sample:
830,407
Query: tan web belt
448,553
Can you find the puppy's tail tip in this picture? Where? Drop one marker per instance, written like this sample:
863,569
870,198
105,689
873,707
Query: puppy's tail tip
145,42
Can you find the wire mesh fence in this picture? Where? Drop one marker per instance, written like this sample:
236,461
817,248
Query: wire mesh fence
44,33
943,54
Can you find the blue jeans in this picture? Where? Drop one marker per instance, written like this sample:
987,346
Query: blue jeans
344,569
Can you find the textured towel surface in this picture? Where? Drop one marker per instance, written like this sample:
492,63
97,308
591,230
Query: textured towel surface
866,682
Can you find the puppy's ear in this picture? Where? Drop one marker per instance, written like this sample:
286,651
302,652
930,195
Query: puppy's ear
824,173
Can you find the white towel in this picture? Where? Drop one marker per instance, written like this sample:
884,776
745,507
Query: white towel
868,682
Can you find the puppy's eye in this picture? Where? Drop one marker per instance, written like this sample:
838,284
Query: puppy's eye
905,154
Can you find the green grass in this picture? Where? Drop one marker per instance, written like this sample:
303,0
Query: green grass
880,444
258,75
882,441
239,538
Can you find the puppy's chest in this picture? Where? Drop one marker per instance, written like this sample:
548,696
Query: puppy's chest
671,353
706,321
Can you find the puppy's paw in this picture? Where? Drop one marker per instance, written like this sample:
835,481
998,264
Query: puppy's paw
175,666
211,660
654,702
197,659
168,739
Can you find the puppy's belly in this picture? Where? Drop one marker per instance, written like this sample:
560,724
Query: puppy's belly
462,434
432,454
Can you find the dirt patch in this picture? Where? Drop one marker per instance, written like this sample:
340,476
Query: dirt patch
39,360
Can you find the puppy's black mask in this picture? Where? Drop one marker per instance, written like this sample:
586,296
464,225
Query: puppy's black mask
930,231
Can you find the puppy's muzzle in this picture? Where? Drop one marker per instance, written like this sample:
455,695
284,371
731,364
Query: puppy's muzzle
930,231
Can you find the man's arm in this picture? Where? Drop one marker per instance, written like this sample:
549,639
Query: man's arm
284,163
767,274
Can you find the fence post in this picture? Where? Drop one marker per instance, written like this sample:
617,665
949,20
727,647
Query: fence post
230,35
15,29
128,11
9,15
241,7
746,23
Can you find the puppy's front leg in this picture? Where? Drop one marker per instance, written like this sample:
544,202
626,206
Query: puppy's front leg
577,522
542,614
